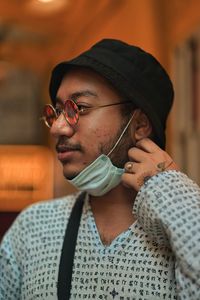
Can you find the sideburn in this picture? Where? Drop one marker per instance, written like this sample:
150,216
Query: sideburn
120,154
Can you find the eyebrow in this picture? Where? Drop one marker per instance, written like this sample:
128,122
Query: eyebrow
76,95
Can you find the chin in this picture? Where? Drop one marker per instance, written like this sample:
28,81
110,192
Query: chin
70,173
72,169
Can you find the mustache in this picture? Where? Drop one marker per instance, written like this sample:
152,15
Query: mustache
63,145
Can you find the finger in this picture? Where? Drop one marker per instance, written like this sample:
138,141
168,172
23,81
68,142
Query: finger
131,167
128,180
136,154
128,167
147,145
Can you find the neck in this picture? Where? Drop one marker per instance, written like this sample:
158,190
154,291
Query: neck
113,212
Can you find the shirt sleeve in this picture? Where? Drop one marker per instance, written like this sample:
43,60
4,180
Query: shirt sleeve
11,253
168,208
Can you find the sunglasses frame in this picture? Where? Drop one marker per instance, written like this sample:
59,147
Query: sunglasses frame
79,111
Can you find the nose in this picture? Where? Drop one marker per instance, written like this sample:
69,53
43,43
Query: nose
61,127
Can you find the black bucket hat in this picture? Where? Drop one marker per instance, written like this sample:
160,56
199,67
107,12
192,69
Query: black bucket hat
135,73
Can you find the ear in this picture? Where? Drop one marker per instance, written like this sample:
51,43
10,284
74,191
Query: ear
140,126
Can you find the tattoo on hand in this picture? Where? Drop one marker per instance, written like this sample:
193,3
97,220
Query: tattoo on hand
162,166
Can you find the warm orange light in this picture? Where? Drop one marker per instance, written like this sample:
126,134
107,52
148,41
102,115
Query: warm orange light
26,176
46,6
46,1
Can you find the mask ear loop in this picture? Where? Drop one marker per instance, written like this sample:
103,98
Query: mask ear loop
119,139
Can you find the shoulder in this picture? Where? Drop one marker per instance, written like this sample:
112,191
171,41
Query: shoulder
43,214
50,207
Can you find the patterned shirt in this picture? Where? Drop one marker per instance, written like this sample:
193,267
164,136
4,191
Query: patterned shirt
158,257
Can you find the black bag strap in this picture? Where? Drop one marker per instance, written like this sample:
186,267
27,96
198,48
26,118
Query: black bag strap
68,250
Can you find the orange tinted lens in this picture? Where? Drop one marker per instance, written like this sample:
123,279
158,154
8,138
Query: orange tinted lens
71,112
49,115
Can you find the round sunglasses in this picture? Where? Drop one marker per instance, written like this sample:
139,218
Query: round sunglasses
70,111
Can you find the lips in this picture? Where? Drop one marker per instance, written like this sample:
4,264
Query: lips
65,153
64,148
65,156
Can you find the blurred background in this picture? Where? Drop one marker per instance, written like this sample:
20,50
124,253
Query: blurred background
37,34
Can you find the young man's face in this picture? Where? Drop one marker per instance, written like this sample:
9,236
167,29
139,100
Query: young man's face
97,130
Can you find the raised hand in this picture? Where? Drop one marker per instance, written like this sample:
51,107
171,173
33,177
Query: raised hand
146,159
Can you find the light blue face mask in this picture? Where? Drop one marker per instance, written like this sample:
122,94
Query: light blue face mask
101,175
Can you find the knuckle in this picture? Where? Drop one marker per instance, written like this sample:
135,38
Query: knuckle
130,152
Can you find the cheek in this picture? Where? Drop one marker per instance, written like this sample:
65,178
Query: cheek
97,130
94,139
101,133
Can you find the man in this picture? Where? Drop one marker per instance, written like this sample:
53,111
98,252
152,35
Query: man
139,230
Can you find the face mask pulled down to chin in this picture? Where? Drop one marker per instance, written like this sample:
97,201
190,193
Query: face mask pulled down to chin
101,175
